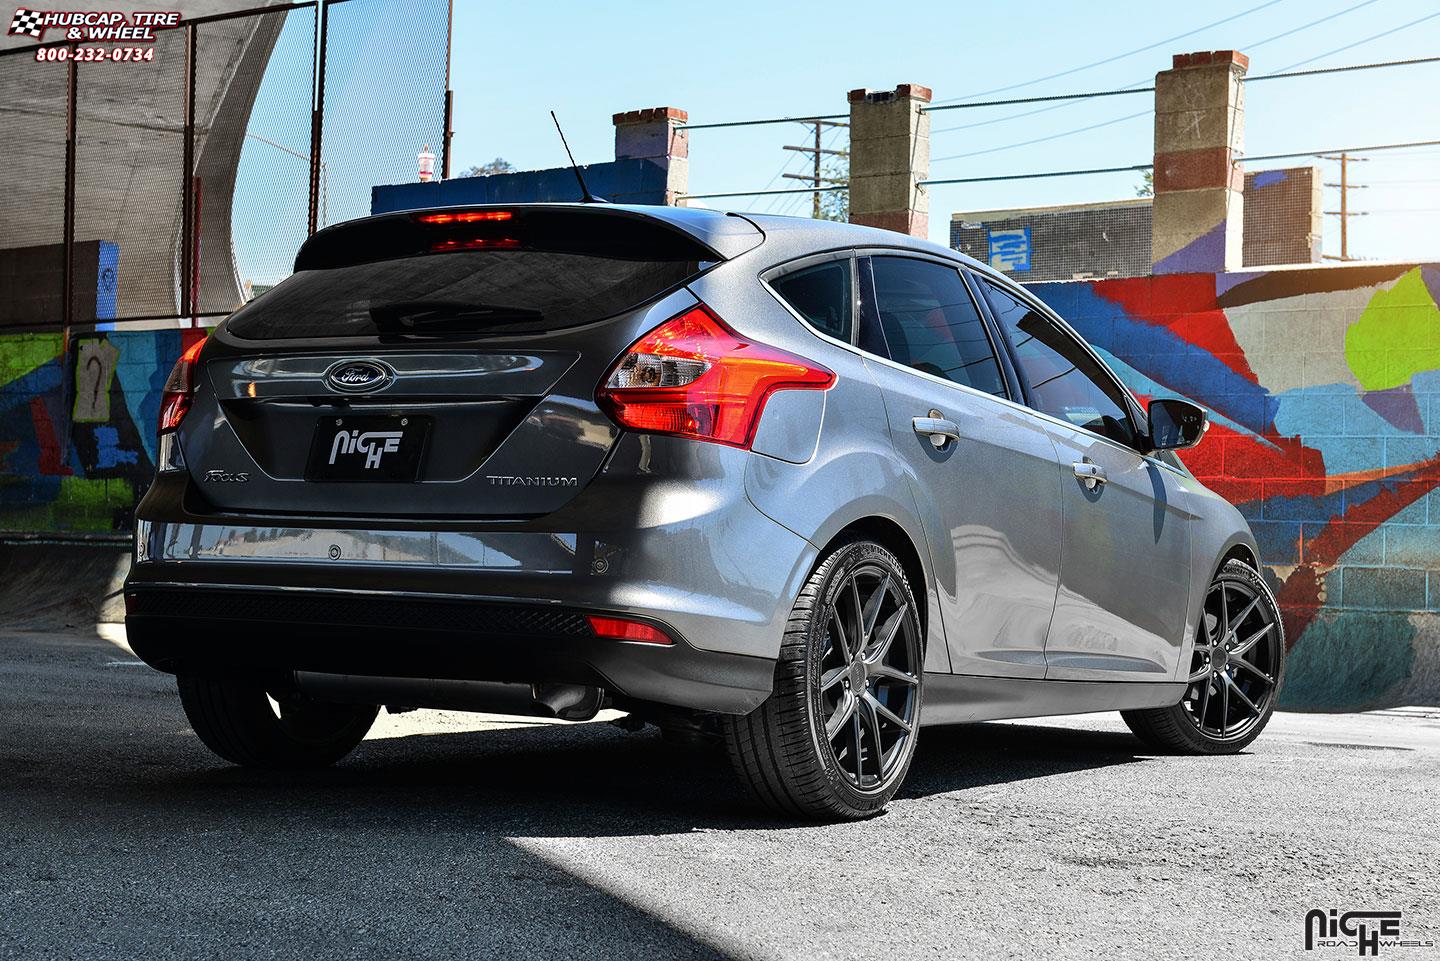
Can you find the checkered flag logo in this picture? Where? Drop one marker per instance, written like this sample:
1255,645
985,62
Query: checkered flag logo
26,23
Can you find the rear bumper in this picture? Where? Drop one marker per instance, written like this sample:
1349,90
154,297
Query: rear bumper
252,630
665,533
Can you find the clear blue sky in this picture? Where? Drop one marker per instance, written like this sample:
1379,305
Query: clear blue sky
741,59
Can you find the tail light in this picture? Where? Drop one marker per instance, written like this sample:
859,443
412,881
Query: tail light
179,388
621,629
695,377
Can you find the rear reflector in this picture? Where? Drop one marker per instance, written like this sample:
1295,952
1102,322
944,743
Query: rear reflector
175,397
695,377
619,629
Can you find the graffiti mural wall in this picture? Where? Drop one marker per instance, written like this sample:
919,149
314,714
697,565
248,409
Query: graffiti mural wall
1324,385
77,431
1324,388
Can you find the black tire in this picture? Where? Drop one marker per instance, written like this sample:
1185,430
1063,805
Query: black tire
781,750
1244,674
235,719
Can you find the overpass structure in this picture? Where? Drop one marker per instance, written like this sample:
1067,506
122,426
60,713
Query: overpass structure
129,158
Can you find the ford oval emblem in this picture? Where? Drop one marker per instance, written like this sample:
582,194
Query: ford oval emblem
354,376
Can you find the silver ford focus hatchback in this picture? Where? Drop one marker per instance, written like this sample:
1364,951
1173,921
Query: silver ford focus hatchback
794,486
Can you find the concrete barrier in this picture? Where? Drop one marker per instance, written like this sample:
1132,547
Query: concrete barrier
51,585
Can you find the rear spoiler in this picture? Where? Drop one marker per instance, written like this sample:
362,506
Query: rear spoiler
638,233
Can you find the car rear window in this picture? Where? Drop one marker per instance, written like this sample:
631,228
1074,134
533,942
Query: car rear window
472,271
465,292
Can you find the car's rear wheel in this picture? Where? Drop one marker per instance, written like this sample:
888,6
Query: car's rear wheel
1235,671
244,724
835,738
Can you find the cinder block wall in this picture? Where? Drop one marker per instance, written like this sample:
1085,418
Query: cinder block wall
1324,387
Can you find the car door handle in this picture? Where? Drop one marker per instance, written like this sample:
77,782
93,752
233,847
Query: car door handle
939,429
1093,475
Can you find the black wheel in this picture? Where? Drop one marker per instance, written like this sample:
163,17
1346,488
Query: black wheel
835,739
243,724
1235,672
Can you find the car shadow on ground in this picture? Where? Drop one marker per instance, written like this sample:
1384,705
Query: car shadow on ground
590,780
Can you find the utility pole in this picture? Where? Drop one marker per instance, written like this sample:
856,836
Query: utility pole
818,153
1345,213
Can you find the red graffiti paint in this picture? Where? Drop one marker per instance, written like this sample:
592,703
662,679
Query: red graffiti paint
52,458
1235,455
1184,304
1300,596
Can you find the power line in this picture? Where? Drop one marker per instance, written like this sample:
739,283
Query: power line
1249,46
1059,96
1046,139
1131,168
1358,43
1350,67
1120,56
757,123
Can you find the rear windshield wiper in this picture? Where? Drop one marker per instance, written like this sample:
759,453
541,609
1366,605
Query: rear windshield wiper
437,315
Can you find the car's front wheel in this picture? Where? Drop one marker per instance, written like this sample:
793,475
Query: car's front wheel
1235,671
244,724
835,739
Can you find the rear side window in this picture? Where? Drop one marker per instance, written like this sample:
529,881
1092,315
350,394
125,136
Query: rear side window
932,324
462,292
1065,379
822,295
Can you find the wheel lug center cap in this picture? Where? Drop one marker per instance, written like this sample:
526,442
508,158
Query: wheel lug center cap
1220,657
857,676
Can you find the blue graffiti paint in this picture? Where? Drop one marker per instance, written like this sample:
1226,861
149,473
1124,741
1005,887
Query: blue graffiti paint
108,452
1163,357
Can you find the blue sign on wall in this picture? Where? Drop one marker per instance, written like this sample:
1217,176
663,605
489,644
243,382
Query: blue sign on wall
106,280
1010,249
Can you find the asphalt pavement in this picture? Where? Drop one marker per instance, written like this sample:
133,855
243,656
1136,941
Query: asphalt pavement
462,836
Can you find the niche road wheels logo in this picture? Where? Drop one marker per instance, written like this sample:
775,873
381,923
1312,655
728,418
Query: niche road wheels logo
374,444
1365,931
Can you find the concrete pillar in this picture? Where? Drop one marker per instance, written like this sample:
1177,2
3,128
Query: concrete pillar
1199,186
889,156
650,135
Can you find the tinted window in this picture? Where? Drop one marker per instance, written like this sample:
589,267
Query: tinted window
1065,380
931,323
821,294
467,292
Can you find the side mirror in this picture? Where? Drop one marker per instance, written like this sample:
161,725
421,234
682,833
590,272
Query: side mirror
1176,424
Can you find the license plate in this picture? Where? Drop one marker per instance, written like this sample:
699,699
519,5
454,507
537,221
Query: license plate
368,448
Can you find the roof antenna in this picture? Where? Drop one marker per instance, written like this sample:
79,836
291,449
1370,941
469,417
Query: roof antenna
586,197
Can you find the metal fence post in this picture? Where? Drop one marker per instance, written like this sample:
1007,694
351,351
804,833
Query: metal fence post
67,269
317,109
187,214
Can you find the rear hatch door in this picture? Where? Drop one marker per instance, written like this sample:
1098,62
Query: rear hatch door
438,363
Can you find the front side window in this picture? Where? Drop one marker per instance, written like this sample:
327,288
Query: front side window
932,324
1065,380
822,295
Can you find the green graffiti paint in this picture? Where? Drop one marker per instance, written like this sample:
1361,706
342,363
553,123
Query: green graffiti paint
83,504
22,353
1397,335
1348,660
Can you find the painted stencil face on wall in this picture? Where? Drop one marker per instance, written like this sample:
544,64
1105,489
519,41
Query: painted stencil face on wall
1324,387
